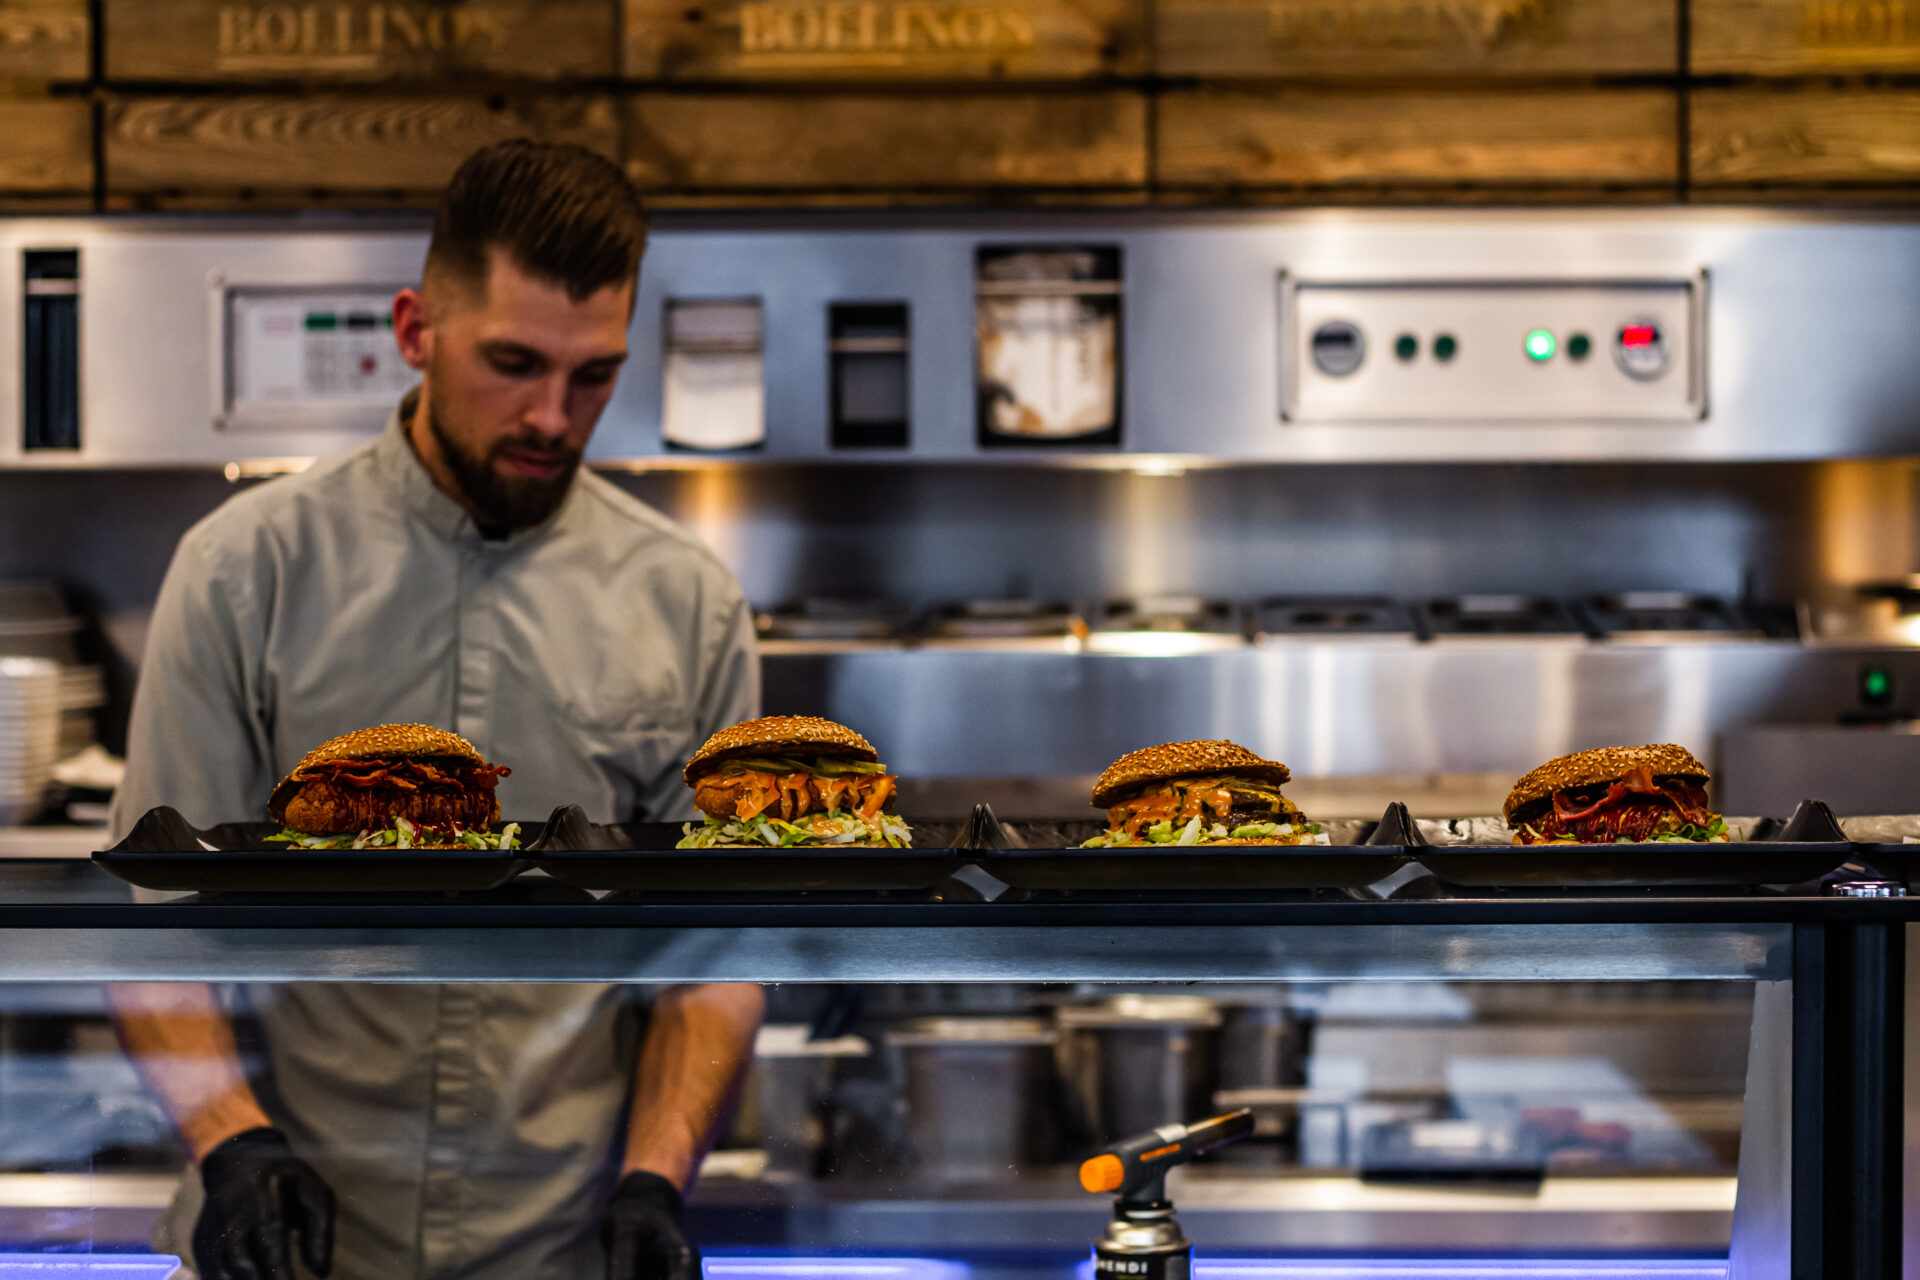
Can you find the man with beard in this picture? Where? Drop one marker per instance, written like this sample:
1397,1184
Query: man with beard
460,571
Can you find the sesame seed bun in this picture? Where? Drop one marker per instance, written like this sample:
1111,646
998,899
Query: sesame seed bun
381,742
1173,760
779,735
1602,764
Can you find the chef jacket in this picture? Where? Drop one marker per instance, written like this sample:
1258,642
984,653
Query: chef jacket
467,1130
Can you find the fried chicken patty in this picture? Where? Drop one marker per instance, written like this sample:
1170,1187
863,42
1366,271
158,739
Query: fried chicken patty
323,808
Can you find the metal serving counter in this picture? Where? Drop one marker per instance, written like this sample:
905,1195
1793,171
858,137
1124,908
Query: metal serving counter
1819,1191
1831,969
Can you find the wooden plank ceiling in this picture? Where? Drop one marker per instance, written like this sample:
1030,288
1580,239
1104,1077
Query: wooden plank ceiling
131,104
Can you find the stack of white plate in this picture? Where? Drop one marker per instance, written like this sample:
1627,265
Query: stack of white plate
30,691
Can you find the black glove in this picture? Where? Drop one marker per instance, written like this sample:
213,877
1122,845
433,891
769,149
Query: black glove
642,1232
259,1194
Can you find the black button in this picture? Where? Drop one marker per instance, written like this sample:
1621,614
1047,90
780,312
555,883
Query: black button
1406,346
1445,347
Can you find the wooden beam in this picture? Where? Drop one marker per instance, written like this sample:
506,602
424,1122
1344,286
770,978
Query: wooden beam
1805,37
45,40
834,41
1579,139
883,142
46,153
1438,39
252,41
1811,136
320,148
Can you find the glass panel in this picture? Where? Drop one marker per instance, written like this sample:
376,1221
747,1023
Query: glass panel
910,1130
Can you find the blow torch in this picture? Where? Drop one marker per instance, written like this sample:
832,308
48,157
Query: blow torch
1143,1240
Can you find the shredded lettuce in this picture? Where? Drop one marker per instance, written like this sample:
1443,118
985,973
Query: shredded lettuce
1192,834
838,827
401,835
1715,832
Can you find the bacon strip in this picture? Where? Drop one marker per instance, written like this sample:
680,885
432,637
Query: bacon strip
1631,807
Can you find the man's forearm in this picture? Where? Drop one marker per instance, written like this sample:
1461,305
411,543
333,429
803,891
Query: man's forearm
698,1047
181,1041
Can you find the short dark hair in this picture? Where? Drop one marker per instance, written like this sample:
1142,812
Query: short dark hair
561,211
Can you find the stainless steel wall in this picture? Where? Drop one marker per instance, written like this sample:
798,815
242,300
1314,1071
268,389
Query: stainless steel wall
926,533
1807,335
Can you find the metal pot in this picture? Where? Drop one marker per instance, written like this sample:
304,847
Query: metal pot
1136,1062
976,1094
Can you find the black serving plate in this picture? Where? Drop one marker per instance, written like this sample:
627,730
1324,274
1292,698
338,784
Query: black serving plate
1046,857
165,852
640,857
1807,847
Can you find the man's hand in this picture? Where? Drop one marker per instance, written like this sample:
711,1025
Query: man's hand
259,1195
642,1232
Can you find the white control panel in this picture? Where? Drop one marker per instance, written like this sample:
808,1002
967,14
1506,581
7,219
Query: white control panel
300,358
1586,351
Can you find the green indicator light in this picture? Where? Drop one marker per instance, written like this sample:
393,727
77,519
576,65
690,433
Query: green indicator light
322,320
1579,347
1876,684
1445,346
1540,345
1406,346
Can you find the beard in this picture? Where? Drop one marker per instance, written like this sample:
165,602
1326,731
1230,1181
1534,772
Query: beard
508,502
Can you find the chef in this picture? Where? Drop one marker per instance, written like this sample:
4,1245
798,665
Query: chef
461,571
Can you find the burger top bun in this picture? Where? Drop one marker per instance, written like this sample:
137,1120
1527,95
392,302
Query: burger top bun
779,735
375,743
1602,764
1173,760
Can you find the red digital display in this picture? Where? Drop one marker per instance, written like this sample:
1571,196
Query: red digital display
1639,335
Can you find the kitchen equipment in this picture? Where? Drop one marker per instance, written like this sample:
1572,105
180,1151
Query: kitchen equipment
1661,617
1136,1061
792,1094
976,1094
1143,1239
1047,328
1319,616
29,734
1492,615
820,620
1001,620
713,387
1166,624
36,623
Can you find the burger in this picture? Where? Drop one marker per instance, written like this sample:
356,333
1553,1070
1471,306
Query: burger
791,782
394,786
1198,793
1616,794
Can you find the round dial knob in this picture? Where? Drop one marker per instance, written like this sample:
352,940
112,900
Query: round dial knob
1640,349
1338,348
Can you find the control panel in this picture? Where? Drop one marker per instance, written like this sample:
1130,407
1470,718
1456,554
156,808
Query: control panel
300,358
1577,351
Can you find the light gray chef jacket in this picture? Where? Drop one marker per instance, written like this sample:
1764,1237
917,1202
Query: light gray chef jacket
468,1131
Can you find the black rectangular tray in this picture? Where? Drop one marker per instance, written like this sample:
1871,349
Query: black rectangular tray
1806,847
165,852
640,857
1047,857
